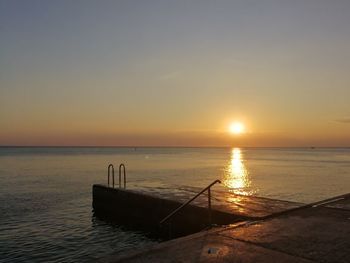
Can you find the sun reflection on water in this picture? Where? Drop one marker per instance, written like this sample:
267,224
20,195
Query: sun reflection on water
236,176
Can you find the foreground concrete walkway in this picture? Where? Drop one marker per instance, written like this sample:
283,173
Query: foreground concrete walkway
319,233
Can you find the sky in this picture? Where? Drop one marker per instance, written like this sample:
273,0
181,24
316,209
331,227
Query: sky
175,73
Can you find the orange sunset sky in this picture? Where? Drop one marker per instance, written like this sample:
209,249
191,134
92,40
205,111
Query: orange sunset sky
175,73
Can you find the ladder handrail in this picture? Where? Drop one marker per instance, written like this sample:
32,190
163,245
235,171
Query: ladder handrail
189,201
111,166
120,175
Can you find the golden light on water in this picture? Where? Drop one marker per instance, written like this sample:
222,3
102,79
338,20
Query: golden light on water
236,175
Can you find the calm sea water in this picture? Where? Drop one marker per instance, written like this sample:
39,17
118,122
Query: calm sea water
45,193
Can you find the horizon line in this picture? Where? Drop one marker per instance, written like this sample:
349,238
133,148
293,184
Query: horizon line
155,146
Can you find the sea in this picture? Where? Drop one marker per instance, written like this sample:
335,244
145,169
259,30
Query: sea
46,192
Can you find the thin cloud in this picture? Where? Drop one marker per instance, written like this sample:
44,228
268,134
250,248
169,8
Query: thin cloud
344,120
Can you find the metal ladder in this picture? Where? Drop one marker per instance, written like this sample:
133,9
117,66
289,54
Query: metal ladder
111,173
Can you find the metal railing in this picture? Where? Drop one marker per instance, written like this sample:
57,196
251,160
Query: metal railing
111,174
189,201
120,175
109,171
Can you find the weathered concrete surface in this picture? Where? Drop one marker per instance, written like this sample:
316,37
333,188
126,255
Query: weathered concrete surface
310,234
321,234
209,246
245,206
226,202
251,206
129,207
145,212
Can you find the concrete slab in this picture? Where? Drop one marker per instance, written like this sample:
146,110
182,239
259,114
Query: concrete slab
319,235
341,204
145,212
245,206
310,234
208,247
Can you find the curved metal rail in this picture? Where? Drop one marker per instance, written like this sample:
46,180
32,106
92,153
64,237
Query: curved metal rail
120,175
189,201
109,173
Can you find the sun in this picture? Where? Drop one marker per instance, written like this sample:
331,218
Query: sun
236,128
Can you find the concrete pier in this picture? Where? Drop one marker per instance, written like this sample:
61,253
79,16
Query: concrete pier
145,212
311,233
140,210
